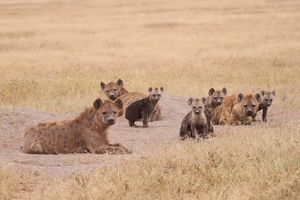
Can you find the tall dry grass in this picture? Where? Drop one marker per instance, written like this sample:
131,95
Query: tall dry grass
54,54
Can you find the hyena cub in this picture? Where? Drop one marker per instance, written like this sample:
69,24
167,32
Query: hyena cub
214,99
194,124
267,98
143,108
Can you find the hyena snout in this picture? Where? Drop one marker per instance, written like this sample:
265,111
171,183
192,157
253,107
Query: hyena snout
110,121
112,96
197,111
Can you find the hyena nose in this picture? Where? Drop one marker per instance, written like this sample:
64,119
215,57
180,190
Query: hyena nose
197,112
268,104
249,113
112,97
111,121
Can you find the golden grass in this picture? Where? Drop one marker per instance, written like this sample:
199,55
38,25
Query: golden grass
53,56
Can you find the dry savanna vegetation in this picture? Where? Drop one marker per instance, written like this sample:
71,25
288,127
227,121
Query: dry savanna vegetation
54,54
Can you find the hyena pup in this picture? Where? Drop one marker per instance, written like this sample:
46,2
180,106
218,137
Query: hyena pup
194,124
214,99
267,98
143,108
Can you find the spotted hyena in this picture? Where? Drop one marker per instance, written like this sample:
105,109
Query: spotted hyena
237,109
142,109
88,132
194,124
113,90
267,99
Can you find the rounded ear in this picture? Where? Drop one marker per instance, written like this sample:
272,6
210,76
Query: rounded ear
211,91
119,103
224,90
262,93
120,82
97,103
150,90
162,89
102,85
240,97
190,101
258,97
203,100
273,93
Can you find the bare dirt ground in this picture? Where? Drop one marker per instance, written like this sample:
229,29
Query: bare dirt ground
16,121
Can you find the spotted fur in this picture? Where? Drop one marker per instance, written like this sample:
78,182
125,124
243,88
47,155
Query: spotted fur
267,99
194,124
142,109
88,132
237,109
214,99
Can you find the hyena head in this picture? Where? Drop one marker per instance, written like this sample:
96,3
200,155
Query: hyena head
267,97
156,93
197,105
249,104
108,110
112,90
217,96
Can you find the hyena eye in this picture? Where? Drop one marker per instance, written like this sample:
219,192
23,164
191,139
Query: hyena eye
271,99
253,106
215,97
266,99
158,95
115,89
153,95
104,113
245,106
221,97
115,112
194,107
107,91
200,107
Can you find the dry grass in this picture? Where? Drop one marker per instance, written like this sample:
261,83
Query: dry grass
53,56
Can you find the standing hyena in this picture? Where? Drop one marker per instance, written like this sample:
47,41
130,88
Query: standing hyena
214,99
142,109
267,98
194,124
113,90
85,133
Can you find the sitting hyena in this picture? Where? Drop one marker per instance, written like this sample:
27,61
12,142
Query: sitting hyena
194,124
115,90
142,109
214,99
237,109
267,98
86,133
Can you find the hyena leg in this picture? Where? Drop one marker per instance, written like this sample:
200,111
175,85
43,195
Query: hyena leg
145,120
122,146
194,132
109,149
264,115
152,115
132,124
254,116
81,150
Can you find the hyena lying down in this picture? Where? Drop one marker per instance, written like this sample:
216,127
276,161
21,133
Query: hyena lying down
86,133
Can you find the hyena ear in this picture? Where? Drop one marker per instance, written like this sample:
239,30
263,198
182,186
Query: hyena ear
190,101
162,89
102,85
240,97
273,93
258,97
203,100
150,90
211,91
224,90
262,93
119,103
97,103
120,82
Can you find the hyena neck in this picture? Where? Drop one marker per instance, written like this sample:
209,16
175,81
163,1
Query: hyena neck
153,102
97,124
198,119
